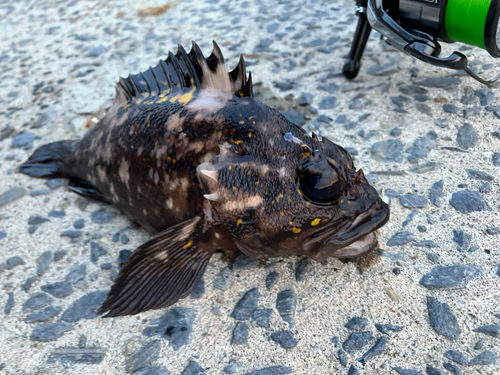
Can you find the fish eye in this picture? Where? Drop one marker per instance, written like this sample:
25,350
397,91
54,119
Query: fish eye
320,183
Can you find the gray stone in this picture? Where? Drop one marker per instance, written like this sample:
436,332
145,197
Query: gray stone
424,168
429,370
485,96
71,233
54,183
352,370
426,243
273,370
3,234
199,289
193,368
466,136
478,175
123,255
285,338
272,279
221,280
357,341
295,117
386,328
436,193
175,326
262,318
395,256
466,201
28,283
449,277
5,132
442,319
300,270
23,140
42,315
329,102
43,262
57,214
286,303
79,224
85,307
403,371
452,369
492,330
144,356
246,305
356,323
232,367
102,216
409,218
305,99
483,359
449,108
323,118
342,357
413,89
124,239
456,356
96,251
413,201
50,332
374,351
495,159
390,150
59,289
440,82
401,239
37,192
480,344
77,273
14,261
240,334
462,240
77,355
36,302
36,220
244,262
382,69
97,51
152,371
11,195
9,304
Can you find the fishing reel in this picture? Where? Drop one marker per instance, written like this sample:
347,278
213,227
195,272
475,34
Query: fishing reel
415,27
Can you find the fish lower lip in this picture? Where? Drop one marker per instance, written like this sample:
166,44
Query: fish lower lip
362,246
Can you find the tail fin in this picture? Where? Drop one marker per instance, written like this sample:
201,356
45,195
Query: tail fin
48,160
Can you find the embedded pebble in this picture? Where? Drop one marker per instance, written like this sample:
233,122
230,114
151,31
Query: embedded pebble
495,159
295,117
175,326
440,82
123,255
42,315
246,306
85,307
374,351
478,175
466,201
271,279
286,302
23,140
492,330
3,234
240,334
59,289
37,220
426,243
286,339
456,356
357,341
152,371
199,289
329,102
273,370
14,261
193,368
50,332
71,233
57,214
342,357
262,318
144,356
124,239
401,238
409,218
28,283
436,193
429,370
301,269
36,302
386,328
452,369
480,344
244,262
356,323
466,136
54,183
43,262
392,255
11,195
77,273
450,277
77,355
442,319
352,370
462,240
403,371
232,367
483,359
390,150
413,201
9,304
102,216
221,280
79,224
96,251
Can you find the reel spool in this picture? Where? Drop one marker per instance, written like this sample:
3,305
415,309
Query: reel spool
415,27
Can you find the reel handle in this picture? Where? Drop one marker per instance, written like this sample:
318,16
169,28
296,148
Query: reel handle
363,29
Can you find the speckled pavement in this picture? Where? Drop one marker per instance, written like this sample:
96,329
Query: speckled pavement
428,303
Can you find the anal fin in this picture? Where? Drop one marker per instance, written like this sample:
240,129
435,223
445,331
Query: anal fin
85,188
162,270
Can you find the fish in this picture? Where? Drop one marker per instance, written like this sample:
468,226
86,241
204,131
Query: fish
187,151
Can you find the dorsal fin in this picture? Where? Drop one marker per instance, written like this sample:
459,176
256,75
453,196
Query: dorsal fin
182,71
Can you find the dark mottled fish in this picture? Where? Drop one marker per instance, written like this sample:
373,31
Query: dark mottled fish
186,150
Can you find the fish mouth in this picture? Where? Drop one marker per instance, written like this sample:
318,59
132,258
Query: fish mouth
352,239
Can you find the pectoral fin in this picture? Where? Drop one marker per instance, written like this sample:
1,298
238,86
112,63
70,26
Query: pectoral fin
162,270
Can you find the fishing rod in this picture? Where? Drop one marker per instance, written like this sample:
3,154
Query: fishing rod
416,27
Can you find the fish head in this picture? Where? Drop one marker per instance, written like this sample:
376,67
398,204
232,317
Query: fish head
289,193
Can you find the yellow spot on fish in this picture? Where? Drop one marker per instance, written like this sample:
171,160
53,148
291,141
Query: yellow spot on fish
279,197
137,101
249,135
188,244
185,98
230,167
241,122
126,105
234,188
253,122
156,142
251,117
162,99
174,98
145,94
315,222
289,223
282,213
237,142
257,182
173,161
296,230
239,221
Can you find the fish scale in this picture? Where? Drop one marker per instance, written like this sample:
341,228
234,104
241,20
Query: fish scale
187,151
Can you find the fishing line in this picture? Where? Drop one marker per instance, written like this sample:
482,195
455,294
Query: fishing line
465,21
